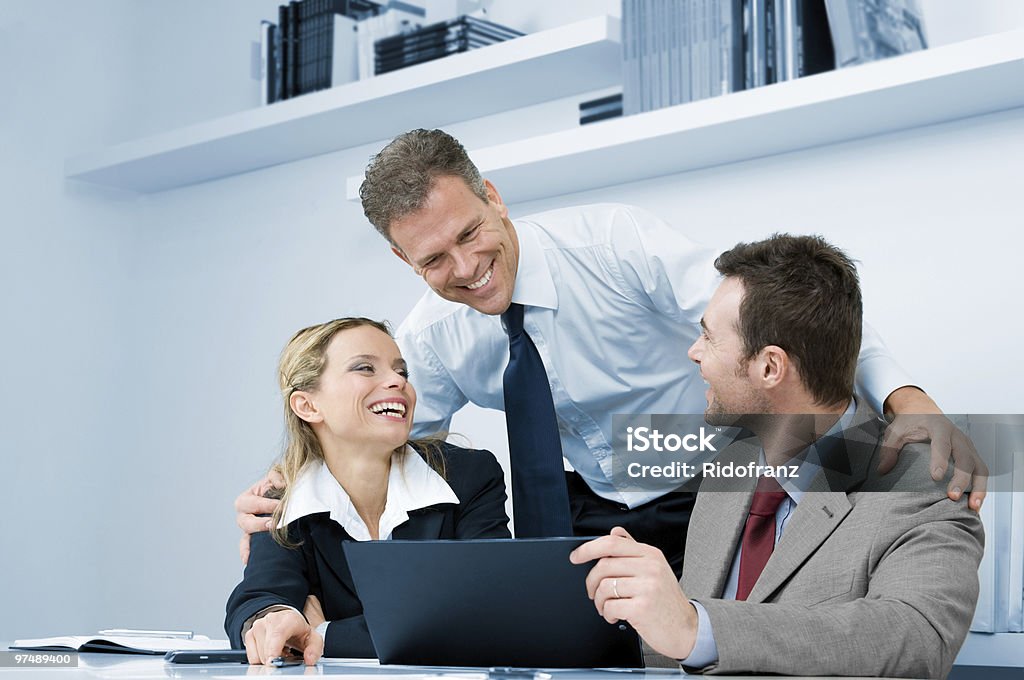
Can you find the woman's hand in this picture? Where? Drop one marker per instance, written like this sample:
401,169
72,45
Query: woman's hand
270,635
313,612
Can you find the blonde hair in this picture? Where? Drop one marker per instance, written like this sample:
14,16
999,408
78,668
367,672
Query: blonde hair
302,364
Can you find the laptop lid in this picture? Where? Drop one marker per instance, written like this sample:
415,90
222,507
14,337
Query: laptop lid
498,602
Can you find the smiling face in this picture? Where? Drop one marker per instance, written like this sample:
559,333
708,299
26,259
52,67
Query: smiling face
465,248
720,354
363,396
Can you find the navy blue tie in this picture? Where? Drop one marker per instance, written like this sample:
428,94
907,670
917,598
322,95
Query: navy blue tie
540,499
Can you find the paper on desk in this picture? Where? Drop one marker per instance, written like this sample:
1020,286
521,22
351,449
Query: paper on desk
130,644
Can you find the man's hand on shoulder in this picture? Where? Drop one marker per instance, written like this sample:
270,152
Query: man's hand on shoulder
254,502
917,419
633,582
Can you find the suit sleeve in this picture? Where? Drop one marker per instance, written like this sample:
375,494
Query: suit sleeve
274,575
481,491
279,575
349,638
910,623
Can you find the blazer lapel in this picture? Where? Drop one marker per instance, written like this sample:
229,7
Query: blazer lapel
422,525
846,460
328,537
813,521
724,504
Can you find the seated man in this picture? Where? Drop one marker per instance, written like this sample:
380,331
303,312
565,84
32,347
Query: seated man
838,570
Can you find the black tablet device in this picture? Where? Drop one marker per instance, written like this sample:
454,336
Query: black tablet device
225,656
517,603
206,656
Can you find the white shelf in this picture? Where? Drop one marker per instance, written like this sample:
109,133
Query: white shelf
567,60
960,80
992,649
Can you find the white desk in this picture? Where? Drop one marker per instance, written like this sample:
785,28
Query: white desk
124,666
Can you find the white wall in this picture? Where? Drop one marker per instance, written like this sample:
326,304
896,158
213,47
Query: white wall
79,463
141,333
62,312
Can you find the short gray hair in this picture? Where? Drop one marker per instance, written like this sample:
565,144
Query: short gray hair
400,177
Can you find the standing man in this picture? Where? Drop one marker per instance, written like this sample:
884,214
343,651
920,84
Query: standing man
562,319
829,570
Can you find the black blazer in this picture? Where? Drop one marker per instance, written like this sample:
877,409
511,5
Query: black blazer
278,575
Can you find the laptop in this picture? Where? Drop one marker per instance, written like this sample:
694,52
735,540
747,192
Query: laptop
485,603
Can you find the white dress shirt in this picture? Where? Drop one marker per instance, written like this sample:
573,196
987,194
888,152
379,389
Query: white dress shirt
412,484
613,298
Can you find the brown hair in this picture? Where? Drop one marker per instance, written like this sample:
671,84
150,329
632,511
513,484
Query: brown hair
400,177
803,295
302,363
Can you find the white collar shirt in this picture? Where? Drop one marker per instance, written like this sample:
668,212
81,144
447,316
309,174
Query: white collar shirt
412,485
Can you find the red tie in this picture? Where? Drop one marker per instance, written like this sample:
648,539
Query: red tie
758,534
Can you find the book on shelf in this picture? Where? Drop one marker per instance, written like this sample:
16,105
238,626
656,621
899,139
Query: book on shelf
300,46
868,30
798,41
312,36
344,53
445,31
308,10
334,49
119,644
292,51
727,26
630,67
281,54
784,39
268,74
810,46
386,64
754,43
398,19
678,51
437,40
601,108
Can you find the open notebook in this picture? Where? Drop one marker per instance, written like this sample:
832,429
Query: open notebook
127,644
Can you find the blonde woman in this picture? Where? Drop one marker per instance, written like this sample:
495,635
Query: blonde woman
351,473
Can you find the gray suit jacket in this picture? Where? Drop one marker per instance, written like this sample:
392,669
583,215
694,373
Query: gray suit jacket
874,575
